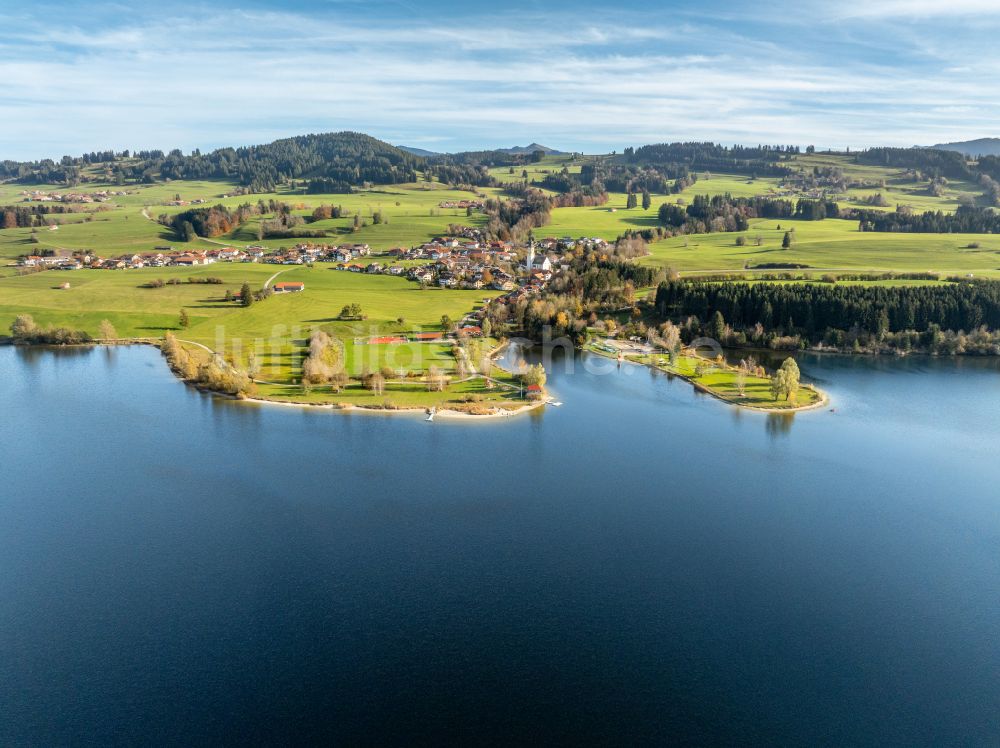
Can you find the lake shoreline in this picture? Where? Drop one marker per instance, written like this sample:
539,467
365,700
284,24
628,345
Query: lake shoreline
823,401
441,410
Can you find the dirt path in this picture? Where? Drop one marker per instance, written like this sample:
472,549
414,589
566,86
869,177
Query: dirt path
267,283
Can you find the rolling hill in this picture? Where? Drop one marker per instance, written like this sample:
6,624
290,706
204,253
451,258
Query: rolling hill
973,148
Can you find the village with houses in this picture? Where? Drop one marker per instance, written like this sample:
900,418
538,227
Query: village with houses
452,262
83,198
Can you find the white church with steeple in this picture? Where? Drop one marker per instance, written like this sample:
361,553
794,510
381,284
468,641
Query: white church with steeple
536,263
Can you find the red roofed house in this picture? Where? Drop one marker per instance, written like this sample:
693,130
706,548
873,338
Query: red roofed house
288,287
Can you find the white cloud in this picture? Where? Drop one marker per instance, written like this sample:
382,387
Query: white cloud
920,8
457,84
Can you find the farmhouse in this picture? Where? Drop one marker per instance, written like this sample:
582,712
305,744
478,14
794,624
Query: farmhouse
289,287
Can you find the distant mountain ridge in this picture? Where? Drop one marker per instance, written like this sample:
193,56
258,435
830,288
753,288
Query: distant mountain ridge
422,152
528,149
517,150
973,148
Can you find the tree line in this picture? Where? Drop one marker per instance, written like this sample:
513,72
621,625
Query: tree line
529,208
965,220
215,374
24,329
906,317
718,213
707,214
761,160
26,216
930,161
346,158
208,222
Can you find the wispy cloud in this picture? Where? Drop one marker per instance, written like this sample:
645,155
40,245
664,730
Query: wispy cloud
902,9
580,78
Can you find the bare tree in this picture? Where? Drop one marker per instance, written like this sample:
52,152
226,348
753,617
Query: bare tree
435,379
742,372
253,365
107,330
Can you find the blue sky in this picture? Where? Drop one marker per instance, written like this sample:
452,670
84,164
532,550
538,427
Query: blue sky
590,76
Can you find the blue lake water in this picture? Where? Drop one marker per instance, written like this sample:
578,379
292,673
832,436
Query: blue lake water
641,565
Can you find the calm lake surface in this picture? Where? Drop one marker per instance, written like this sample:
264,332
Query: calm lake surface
641,565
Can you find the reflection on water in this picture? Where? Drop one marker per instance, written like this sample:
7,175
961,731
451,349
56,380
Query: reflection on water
642,565
33,354
779,424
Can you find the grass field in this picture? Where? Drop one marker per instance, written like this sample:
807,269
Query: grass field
278,327
605,221
411,394
548,165
412,216
831,245
733,184
611,220
410,211
888,283
719,380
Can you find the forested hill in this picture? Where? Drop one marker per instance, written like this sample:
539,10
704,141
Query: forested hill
973,148
339,159
346,157
677,159
937,163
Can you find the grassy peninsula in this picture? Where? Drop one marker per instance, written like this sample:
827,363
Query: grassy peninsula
415,267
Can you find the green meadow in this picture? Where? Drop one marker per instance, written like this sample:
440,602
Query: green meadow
410,215
472,393
720,380
278,327
830,245
548,165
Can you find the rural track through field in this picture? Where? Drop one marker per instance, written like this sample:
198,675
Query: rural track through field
200,345
267,283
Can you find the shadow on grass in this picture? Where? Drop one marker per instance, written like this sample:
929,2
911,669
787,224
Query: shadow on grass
763,251
643,222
